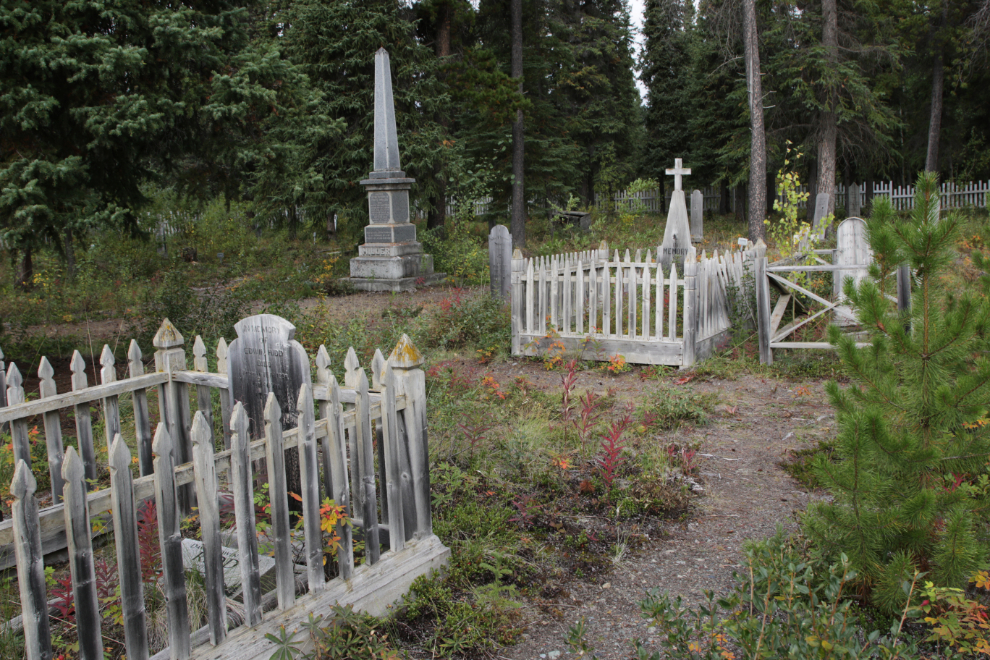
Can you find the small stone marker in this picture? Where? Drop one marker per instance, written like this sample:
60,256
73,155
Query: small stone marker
677,234
500,261
821,210
266,358
697,216
852,249
192,558
854,202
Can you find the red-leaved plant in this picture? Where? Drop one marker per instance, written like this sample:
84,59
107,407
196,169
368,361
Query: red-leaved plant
611,457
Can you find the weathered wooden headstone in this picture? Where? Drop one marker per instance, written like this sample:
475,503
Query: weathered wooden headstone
500,261
697,216
266,358
852,249
677,234
853,201
821,210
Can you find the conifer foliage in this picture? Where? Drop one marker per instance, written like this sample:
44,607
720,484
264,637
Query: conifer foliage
910,484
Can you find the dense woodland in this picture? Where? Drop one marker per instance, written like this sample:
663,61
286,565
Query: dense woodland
524,100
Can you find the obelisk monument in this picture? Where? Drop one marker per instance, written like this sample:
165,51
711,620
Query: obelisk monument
391,259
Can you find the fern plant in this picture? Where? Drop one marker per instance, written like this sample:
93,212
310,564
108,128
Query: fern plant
913,440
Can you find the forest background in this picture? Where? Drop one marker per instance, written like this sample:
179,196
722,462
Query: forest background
104,105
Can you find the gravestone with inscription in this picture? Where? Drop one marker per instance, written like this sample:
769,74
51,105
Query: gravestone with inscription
500,261
266,358
677,234
391,259
852,248
697,216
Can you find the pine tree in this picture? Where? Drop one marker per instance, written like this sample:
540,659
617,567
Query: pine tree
913,437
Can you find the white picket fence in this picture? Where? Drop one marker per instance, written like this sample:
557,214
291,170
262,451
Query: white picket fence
587,304
179,469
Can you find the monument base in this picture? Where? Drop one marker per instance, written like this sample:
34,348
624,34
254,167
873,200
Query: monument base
392,267
396,285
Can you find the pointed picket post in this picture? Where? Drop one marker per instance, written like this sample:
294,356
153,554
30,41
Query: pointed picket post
310,479
170,538
225,402
111,404
285,580
53,428
125,535
393,473
377,371
18,428
247,538
3,387
405,361
207,491
339,483
30,564
142,420
366,469
80,547
204,398
351,366
173,403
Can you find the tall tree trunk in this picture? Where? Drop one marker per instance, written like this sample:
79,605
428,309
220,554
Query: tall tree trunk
935,120
758,138
724,202
827,129
25,274
437,217
518,227
70,255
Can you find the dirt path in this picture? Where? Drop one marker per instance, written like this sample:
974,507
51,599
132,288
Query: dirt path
746,496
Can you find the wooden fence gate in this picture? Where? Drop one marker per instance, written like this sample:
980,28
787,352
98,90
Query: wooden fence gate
179,466
586,304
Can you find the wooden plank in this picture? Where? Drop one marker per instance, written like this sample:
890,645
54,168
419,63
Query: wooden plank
665,352
80,547
393,474
125,535
18,428
672,304
579,298
798,288
619,295
207,491
76,397
813,344
658,289
111,404
593,322
142,420
814,269
170,539
369,510
243,492
646,297
338,467
530,296
226,404
285,581
778,313
53,429
412,381
310,480
204,399
30,564
794,325
84,425
690,312
763,311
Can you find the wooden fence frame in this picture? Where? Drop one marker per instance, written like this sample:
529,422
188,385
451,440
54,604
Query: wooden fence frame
179,466
587,304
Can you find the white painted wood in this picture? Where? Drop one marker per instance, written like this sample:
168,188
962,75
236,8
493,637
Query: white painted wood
566,298
672,304
530,297
658,289
579,298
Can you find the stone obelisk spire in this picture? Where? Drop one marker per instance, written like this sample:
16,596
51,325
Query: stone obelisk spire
391,259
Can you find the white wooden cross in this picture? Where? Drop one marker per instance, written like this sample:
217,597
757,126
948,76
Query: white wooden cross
678,172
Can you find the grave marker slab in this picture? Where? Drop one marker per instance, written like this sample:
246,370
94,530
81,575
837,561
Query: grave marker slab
266,358
852,249
821,210
697,216
677,233
500,261
854,202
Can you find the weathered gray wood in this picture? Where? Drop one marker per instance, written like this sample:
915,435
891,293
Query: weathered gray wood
173,399
366,469
142,420
778,313
225,402
500,260
646,297
247,538
278,503
30,564
821,211
579,292
543,293
405,361
53,429
84,424
111,405
3,389
18,428
593,322
351,378
393,473
95,393
619,296
80,546
690,311
852,247
377,371
204,398
170,539
530,296
128,557
518,268
763,311
310,477
677,232
207,491
339,483
351,368
697,216
606,284
673,291
323,376
823,345
554,295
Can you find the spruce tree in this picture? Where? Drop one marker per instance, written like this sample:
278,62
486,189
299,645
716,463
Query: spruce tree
909,484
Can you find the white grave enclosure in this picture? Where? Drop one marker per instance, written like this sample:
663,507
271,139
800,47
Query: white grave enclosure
391,259
677,234
852,249
697,216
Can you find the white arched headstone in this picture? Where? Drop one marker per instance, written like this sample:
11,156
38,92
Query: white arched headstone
852,249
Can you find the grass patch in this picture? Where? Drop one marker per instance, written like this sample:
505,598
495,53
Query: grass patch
800,463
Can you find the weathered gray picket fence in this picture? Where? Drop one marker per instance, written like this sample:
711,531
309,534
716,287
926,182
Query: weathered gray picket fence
179,467
599,307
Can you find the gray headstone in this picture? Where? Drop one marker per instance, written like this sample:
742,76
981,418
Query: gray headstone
677,233
854,202
697,216
265,358
821,210
500,261
852,249
386,137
